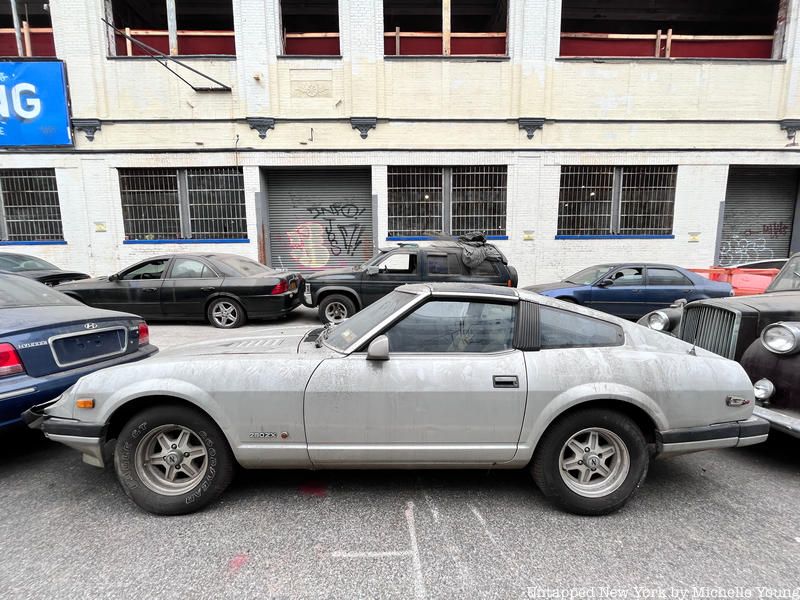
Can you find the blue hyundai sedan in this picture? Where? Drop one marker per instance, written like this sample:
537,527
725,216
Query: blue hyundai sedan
630,290
49,340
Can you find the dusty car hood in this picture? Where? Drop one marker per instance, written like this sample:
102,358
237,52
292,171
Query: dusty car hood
265,344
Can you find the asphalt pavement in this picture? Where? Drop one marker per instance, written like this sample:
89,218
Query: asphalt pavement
718,524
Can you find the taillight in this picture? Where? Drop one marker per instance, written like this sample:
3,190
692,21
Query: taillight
10,364
144,334
281,288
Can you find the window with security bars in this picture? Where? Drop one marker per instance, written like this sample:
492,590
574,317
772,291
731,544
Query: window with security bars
29,208
606,200
197,203
425,201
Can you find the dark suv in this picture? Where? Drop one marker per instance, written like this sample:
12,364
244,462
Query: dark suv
341,292
761,332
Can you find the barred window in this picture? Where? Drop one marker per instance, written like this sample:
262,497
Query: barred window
451,200
616,200
29,208
198,203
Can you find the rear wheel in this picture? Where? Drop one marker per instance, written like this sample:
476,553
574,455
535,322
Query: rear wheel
590,462
336,308
226,313
172,460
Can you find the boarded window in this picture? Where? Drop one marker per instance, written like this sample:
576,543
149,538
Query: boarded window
36,30
424,201
29,208
200,203
609,200
310,27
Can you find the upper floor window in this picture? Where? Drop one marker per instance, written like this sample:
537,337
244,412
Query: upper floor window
25,29
445,27
175,27
310,28
616,200
451,200
29,208
669,29
199,203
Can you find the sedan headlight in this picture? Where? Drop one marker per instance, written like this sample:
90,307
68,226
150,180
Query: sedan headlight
763,389
781,338
658,321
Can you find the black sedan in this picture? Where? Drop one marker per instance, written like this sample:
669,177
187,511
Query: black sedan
225,289
36,268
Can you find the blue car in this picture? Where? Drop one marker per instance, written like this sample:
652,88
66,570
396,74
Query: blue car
630,290
49,340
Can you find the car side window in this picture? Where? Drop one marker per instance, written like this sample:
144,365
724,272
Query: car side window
187,268
443,264
485,269
153,269
662,276
628,276
565,329
400,263
443,327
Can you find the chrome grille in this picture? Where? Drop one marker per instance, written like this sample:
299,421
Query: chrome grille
711,328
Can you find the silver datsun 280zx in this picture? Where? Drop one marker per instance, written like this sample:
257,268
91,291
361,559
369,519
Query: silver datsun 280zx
436,375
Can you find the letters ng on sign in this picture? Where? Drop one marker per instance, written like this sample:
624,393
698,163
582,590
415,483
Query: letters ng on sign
33,104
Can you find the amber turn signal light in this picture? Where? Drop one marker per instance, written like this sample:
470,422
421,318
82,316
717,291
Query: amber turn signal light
84,403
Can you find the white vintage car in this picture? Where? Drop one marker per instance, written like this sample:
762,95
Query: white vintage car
438,375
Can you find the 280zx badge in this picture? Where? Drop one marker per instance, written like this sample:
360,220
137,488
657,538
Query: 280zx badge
264,435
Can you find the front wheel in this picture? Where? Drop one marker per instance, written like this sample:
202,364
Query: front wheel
590,462
226,313
172,460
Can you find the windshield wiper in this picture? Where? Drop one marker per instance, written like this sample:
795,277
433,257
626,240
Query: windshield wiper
326,331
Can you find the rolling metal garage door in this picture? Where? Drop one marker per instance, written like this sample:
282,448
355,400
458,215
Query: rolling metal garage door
759,211
319,218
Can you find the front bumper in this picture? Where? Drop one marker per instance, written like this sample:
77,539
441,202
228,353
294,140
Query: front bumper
786,421
721,435
86,438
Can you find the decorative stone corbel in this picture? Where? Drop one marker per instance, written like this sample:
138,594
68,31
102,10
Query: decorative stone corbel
530,125
791,126
261,125
364,124
87,126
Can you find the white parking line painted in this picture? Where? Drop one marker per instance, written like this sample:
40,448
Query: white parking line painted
432,507
371,554
419,583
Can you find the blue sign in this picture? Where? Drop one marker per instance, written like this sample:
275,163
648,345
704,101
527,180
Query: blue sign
33,104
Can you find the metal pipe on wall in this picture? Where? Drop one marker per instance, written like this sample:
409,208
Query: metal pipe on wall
17,28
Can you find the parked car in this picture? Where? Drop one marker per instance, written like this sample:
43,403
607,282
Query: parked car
747,279
430,375
630,290
224,289
48,341
762,332
36,268
339,293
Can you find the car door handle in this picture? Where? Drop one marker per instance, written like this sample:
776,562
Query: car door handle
505,381
149,289
207,289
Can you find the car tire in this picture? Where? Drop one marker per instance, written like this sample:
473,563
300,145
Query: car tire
168,487
586,489
226,313
336,308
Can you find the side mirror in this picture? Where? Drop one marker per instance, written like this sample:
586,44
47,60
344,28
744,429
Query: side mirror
378,348
114,277
605,283
372,270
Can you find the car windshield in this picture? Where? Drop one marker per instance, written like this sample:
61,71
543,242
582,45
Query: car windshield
16,263
589,275
353,329
788,278
16,292
372,261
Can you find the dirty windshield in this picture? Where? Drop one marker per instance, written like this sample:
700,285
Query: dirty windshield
788,278
350,331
